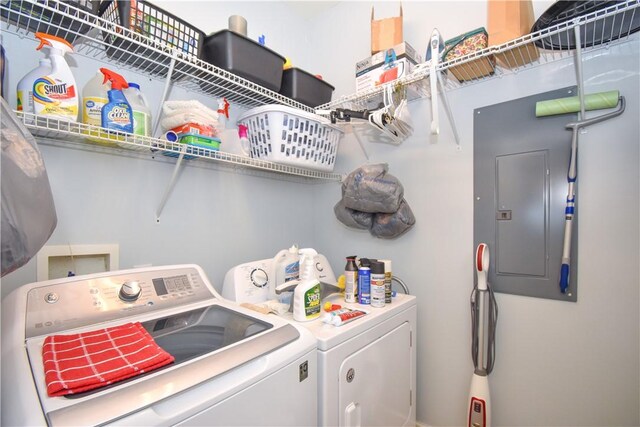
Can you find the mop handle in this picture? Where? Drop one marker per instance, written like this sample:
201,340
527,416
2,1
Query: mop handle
433,81
572,174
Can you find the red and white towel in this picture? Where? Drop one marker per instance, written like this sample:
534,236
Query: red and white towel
80,362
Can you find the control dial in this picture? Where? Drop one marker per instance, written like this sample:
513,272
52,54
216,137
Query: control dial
130,291
259,278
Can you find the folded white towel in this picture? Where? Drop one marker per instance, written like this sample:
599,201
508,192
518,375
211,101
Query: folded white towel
178,113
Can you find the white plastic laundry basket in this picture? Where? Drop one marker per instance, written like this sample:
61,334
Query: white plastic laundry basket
293,137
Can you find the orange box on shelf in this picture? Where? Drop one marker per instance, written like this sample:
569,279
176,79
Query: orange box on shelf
508,20
385,33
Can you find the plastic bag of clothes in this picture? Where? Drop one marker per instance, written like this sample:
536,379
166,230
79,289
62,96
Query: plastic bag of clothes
373,200
371,189
352,218
28,213
391,225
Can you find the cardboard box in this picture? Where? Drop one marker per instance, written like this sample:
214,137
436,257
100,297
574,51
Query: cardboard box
386,66
385,33
508,20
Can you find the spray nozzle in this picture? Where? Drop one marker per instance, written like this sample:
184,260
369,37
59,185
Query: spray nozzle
223,107
117,81
307,257
242,133
54,42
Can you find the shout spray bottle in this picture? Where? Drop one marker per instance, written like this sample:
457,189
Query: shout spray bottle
55,93
117,114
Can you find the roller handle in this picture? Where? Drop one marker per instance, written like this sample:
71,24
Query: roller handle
601,118
564,278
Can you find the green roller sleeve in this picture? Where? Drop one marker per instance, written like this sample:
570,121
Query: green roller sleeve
596,101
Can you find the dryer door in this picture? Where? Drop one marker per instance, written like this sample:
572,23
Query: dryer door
375,382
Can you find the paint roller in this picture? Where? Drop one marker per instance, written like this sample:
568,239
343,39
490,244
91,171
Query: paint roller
596,101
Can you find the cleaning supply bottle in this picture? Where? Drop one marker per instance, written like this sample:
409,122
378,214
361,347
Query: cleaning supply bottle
94,97
245,144
54,92
117,113
306,296
141,111
287,267
25,86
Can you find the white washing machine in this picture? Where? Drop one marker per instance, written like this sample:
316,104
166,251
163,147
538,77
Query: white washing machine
232,366
366,368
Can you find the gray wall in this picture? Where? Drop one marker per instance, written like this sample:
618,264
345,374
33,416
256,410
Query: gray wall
557,363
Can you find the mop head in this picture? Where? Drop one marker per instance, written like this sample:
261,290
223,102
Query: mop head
596,101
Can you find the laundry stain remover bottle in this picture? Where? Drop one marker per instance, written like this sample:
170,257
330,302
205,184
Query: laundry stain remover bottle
25,86
117,114
55,92
306,296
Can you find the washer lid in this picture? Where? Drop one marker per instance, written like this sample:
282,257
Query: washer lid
206,342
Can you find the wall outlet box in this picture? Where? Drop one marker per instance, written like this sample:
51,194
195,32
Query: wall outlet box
58,261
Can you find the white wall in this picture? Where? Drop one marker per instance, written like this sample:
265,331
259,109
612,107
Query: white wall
215,217
557,363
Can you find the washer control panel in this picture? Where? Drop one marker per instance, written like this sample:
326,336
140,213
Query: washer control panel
250,282
75,302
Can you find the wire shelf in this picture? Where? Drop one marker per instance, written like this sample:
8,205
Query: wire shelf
535,49
45,127
91,38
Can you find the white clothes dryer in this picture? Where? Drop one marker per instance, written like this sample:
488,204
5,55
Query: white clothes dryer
366,368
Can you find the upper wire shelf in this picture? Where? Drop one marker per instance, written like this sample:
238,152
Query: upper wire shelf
598,29
135,51
61,130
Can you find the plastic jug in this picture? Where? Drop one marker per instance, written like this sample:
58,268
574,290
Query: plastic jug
141,111
287,267
94,97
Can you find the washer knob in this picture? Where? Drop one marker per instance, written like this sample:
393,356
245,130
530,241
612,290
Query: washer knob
259,278
130,291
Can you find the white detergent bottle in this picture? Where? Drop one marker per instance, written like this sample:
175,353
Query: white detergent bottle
25,86
94,97
55,93
141,111
306,296
287,266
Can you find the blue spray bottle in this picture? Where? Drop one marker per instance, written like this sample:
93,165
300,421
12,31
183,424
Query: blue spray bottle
117,113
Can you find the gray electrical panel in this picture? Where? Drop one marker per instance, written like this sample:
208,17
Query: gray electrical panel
520,190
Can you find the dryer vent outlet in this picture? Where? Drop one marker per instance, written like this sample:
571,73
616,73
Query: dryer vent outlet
304,370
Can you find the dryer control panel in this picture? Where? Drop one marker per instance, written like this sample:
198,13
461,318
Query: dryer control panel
85,300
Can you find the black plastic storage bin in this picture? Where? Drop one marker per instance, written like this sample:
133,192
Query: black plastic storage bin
244,57
39,17
149,22
305,88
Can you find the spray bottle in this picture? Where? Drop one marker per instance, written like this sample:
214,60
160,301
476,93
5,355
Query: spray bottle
116,114
54,92
306,296
25,86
